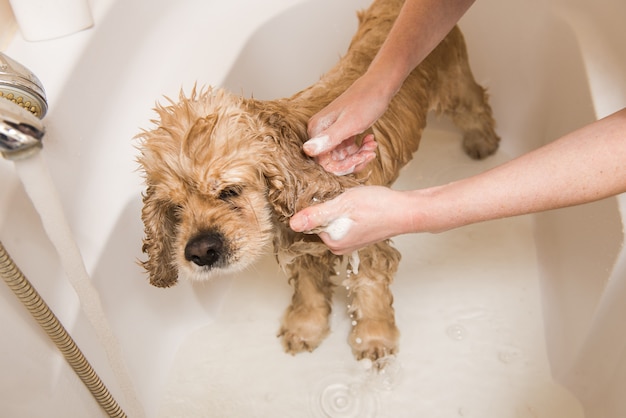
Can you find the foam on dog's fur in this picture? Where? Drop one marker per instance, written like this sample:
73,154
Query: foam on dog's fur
224,174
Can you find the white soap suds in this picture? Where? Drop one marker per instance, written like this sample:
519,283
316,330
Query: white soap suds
338,228
318,144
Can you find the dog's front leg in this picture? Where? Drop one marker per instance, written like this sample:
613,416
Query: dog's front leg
306,321
374,333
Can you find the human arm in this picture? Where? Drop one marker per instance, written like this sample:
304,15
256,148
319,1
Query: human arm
419,28
583,166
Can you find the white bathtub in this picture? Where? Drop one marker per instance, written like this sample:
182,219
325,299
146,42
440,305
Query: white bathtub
511,318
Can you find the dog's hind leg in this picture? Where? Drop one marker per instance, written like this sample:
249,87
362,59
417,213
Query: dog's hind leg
472,114
460,97
306,321
374,333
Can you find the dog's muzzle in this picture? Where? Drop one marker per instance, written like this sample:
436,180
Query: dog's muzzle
205,249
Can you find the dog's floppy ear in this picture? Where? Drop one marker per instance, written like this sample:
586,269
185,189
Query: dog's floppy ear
285,169
159,221
294,180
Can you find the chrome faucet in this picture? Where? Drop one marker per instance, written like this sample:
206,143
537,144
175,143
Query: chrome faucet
22,105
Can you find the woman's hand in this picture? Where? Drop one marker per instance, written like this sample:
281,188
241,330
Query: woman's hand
358,217
334,130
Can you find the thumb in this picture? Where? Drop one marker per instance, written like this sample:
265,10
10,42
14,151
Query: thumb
308,219
328,139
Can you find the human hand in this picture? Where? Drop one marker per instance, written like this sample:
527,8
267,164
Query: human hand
345,158
358,217
334,130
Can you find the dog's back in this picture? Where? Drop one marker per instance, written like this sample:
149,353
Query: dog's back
442,82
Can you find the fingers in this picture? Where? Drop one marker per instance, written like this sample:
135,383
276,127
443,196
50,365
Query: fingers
332,233
369,143
317,146
328,132
348,165
348,157
329,227
309,219
327,217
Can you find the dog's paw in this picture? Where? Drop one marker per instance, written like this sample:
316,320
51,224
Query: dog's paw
303,329
374,340
479,145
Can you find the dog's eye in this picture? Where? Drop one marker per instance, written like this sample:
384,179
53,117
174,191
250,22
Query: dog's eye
229,193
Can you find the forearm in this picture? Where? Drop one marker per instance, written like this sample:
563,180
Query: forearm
586,165
419,28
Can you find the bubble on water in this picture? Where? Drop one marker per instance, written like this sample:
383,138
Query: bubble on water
358,340
456,332
344,396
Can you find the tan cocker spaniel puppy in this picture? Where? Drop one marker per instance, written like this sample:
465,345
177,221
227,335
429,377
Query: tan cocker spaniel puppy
224,174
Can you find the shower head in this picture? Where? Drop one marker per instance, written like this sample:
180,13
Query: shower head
20,86
22,105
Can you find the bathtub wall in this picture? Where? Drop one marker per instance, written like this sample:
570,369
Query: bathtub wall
7,24
554,67
582,251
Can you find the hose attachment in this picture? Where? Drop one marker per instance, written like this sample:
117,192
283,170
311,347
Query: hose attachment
40,311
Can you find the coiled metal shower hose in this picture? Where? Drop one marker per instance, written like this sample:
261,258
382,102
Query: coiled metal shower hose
38,308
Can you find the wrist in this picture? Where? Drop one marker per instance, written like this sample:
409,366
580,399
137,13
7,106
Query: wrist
429,210
385,80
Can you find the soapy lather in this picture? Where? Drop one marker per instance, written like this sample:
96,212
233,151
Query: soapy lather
317,145
336,229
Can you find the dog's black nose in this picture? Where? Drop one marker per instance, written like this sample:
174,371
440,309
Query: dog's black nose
205,249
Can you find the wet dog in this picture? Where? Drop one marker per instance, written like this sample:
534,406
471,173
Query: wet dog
224,174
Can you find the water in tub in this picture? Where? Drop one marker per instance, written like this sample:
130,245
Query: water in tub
468,306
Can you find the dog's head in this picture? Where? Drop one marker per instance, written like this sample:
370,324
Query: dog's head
220,172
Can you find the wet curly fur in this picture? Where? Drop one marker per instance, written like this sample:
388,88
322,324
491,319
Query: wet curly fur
224,174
